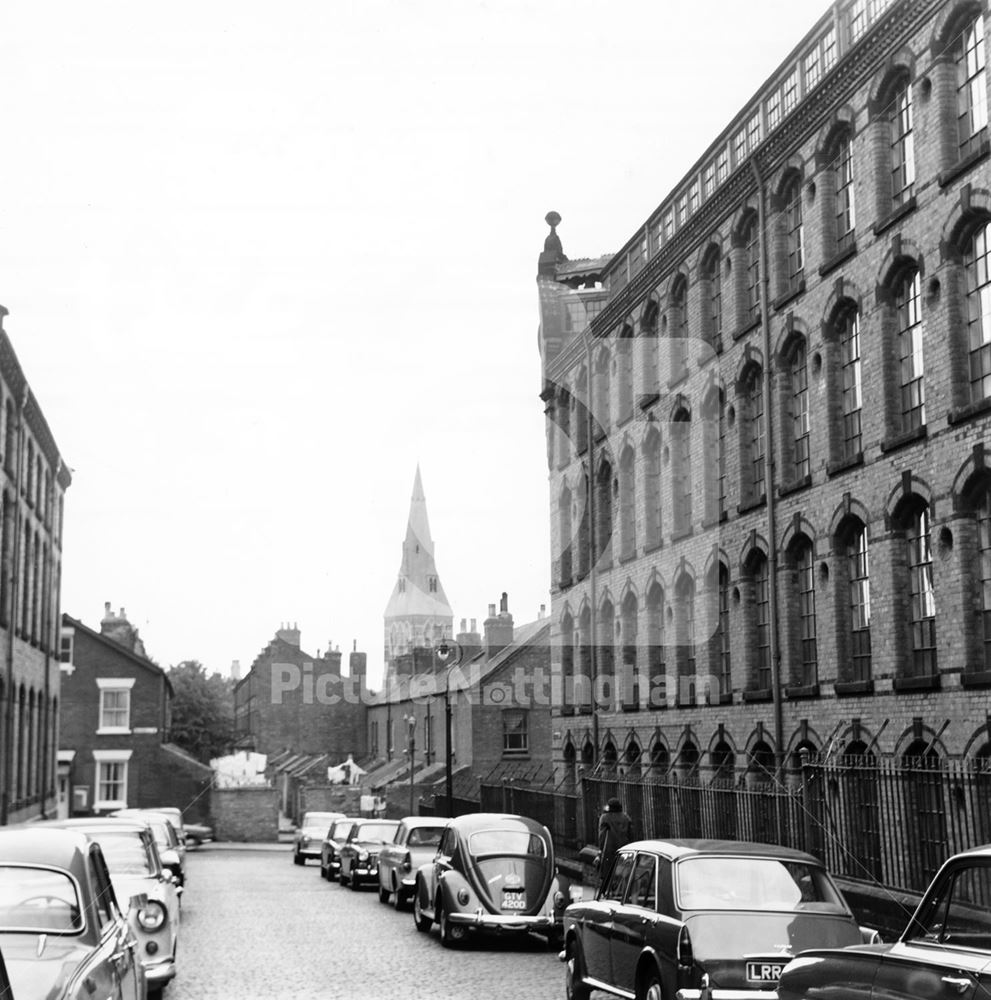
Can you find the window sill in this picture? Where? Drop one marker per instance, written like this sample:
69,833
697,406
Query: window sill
653,547
747,328
624,419
901,440
846,689
962,413
113,731
916,683
788,297
837,259
631,706
975,678
566,710
802,691
799,484
565,584
757,694
895,216
647,399
599,435
628,558
834,469
742,508
726,698
961,167
677,380
516,755
677,536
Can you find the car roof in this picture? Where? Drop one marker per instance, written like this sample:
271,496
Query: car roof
412,821
377,822
37,843
688,847
474,822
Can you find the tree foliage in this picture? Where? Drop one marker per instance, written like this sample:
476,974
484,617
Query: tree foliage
202,710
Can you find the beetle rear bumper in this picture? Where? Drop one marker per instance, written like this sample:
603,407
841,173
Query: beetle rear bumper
714,993
503,922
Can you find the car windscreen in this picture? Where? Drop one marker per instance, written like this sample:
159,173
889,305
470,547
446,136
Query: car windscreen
38,899
752,883
321,820
376,833
125,853
519,842
340,829
424,836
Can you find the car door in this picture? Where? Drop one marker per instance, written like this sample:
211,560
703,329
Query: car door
391,854
115,970
632,920
598,919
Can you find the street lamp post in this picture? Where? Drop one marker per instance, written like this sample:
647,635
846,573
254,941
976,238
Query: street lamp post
411,743
444,652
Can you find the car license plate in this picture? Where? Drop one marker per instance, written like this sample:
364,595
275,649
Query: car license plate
768,971
516,901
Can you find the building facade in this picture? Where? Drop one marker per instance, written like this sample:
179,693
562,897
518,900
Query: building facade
33,481
418,612
767,425
115,718
292,700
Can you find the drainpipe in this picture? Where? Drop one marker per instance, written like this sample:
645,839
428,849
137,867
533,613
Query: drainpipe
9,777
593,550
772,554
48,743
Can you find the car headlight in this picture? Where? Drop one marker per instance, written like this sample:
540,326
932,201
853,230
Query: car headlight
559,900
303,841
463,897
153,916
362,855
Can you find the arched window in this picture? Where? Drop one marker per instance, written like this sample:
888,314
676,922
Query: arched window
843,200
627,504
714,457
712,277
678,329
856,600
630,679
600,399
908,308
602,537
580,402
794,238
984,571
564,503
761,622
798,374
606,658
583,680
584,535
754,439
976,261
567,665
624,375
652,488
807,658
724,671
562,413
681,471
657,696
851,391
972,101
751,240
916,577
651,379
902,144
686,638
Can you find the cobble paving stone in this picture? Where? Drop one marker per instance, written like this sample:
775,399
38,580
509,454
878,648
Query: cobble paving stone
257,927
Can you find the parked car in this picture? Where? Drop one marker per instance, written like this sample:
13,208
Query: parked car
171,849
415,843
491,872
359,854
136,869
310,833
333,841
944,952
174,814
697,919
63,933
197,834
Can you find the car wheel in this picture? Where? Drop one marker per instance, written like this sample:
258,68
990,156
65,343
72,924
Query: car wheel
399,898
650,988
297,858
383,894
323,869
451,935
574,971
332,874
340,876
354,884
420,919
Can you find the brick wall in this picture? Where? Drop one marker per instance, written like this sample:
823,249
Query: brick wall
246,814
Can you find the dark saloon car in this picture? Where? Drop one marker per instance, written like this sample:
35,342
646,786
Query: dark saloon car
494,873
415,844
333,841
63,933
359,854
945,952
701,920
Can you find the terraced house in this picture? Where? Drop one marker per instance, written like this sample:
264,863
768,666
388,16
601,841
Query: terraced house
767,427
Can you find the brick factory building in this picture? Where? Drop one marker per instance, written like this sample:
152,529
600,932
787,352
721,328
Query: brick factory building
767,417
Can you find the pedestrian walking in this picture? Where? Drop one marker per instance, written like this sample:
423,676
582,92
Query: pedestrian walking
615,831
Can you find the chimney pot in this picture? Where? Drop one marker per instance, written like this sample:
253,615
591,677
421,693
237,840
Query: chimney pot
504,603
492,611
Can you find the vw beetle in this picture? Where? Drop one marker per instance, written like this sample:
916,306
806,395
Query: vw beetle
494,873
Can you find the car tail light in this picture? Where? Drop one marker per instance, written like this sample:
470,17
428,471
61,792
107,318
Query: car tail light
407,863
559,900
152,917
685,955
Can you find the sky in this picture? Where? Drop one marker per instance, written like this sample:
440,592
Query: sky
261,260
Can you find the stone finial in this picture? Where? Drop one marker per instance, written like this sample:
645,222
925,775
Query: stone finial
552,244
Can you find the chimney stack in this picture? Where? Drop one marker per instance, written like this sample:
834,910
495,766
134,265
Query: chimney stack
498,629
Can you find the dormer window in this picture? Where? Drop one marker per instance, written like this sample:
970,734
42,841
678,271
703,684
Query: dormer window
432,583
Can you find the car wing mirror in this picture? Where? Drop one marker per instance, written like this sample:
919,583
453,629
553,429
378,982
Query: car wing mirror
138,901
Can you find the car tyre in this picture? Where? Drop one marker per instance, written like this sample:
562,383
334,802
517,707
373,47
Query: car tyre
574,970
650,988
340,876
297,858
323,869
399,900
383,894
451,935
353,884
420,919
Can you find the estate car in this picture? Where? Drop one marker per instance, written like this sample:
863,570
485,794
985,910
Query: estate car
415,844
492,872
944,952
692,919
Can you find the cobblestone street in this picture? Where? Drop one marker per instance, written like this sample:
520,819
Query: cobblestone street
257,927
